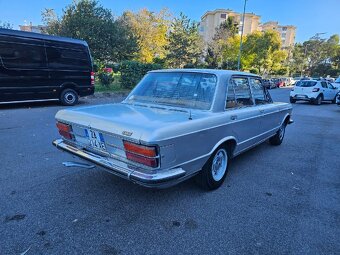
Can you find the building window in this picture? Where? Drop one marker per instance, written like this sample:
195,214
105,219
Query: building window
223,16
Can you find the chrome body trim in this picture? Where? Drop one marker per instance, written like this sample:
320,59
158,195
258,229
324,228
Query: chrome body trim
141,176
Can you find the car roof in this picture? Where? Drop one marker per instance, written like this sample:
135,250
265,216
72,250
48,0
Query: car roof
217,72
32,35
310,80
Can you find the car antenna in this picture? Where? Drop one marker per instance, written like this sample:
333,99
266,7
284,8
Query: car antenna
190,116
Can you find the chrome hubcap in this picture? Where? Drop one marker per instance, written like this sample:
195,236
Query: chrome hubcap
281,132
219,164
69,98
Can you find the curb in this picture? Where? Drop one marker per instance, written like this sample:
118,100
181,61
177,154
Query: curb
109,94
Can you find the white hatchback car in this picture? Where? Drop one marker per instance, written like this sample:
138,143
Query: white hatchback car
313,91
336,83
338,99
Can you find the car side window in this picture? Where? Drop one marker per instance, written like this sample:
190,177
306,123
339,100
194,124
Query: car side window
259,95
324,84
330,86
238,93
22,56
61,58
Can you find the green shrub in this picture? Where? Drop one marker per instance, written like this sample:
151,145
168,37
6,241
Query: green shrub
105,78
254,70
133,71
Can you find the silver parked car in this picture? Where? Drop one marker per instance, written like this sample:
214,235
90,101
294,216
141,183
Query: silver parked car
176,124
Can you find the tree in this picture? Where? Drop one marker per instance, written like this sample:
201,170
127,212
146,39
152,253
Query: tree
263,51
226,30
185,44
230,50
151,29
317,56
110,40
298,61
6,25
315,52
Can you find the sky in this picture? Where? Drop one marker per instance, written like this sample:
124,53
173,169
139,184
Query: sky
309,16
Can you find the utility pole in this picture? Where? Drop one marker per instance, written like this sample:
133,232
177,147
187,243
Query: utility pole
240,50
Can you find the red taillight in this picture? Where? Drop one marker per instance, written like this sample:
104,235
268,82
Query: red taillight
66,135
151,162
64,127
146,155
92,78
65,130
315,90
140,149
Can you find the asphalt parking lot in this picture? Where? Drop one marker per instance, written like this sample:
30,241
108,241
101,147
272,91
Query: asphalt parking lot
276,200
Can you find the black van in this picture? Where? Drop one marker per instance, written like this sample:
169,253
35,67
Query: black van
37,67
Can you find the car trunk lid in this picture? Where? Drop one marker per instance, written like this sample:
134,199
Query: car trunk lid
103,128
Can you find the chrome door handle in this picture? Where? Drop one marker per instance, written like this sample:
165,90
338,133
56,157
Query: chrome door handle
261,111
233,117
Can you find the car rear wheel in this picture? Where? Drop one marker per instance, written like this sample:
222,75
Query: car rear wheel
215,170
278,137
69,97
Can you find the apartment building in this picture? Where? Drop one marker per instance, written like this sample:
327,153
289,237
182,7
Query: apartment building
287,33
212,19
31,28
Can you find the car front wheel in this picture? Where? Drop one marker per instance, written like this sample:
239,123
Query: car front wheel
292,100
69,97
215,170
318,100
334,100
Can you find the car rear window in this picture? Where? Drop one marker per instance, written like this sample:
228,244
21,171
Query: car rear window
191,90
305,83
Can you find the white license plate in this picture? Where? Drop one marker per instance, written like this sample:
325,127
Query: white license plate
96,139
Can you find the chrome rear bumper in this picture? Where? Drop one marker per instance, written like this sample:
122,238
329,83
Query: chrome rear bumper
148,178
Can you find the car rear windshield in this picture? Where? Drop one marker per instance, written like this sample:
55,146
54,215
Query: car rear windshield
188,90
305,83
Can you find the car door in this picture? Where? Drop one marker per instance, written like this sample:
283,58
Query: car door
270,115
24,73
327,93
332,90
241,113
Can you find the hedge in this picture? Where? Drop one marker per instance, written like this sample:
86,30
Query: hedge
133,71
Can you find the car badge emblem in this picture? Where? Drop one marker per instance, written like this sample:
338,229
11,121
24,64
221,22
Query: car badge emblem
127,133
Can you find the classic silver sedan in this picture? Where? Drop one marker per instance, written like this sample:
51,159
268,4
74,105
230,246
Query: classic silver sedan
174,125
